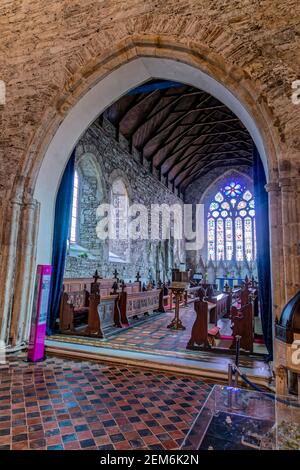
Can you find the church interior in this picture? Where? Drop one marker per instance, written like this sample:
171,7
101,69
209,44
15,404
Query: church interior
149,227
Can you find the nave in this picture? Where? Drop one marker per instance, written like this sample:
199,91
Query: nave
149,227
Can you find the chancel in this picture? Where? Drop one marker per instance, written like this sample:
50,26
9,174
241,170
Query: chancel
149,181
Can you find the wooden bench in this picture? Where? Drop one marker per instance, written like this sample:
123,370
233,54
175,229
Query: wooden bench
192,293
77,299
74,308
134,304
241,296
103,313
242,323
221,308
201,335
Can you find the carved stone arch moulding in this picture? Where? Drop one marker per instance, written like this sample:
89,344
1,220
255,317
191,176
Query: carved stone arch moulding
161,57
187,52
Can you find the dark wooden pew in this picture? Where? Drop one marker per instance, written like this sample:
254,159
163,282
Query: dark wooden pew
79,303
221,306
191,294
137,303
201,336
103,312
74,309
242,323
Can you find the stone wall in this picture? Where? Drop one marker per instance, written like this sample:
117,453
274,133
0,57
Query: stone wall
46,55
101,159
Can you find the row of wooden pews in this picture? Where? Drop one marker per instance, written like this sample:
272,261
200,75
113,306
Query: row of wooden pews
241,303
89,306
218,302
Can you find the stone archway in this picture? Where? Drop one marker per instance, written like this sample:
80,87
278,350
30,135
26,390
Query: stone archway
103,80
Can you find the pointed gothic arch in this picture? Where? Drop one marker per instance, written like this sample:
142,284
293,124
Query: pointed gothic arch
105,80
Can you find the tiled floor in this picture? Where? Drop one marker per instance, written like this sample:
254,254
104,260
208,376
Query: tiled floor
153,336
154,333
62,404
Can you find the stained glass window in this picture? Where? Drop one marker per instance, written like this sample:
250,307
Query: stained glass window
219,197
233,189
248,238
119,242
74,216
213,206
242,204
225,205
247,196
229,238
220,239
231,223
211,238
239,239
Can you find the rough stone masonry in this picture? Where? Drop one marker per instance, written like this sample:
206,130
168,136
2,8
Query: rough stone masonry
101,159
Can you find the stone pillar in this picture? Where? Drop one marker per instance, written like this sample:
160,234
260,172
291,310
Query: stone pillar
290,236
25,273
276,247
297,232
11,214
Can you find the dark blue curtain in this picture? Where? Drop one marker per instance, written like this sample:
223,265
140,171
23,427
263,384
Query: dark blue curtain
63,209
263,250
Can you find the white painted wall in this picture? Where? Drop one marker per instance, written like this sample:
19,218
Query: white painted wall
93,103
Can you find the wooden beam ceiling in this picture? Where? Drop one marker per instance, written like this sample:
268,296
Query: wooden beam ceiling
183,132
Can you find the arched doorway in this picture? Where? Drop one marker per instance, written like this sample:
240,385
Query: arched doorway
103,86
95,101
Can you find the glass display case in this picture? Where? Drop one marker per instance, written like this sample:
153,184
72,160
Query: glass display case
240,419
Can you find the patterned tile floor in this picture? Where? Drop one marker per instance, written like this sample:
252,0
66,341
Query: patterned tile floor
153,336
63,404
153,333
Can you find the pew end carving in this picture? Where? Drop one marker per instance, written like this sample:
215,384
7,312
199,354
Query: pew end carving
243,325
201,336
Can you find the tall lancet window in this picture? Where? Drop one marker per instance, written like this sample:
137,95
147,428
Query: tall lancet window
231,224
74,216
119,242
